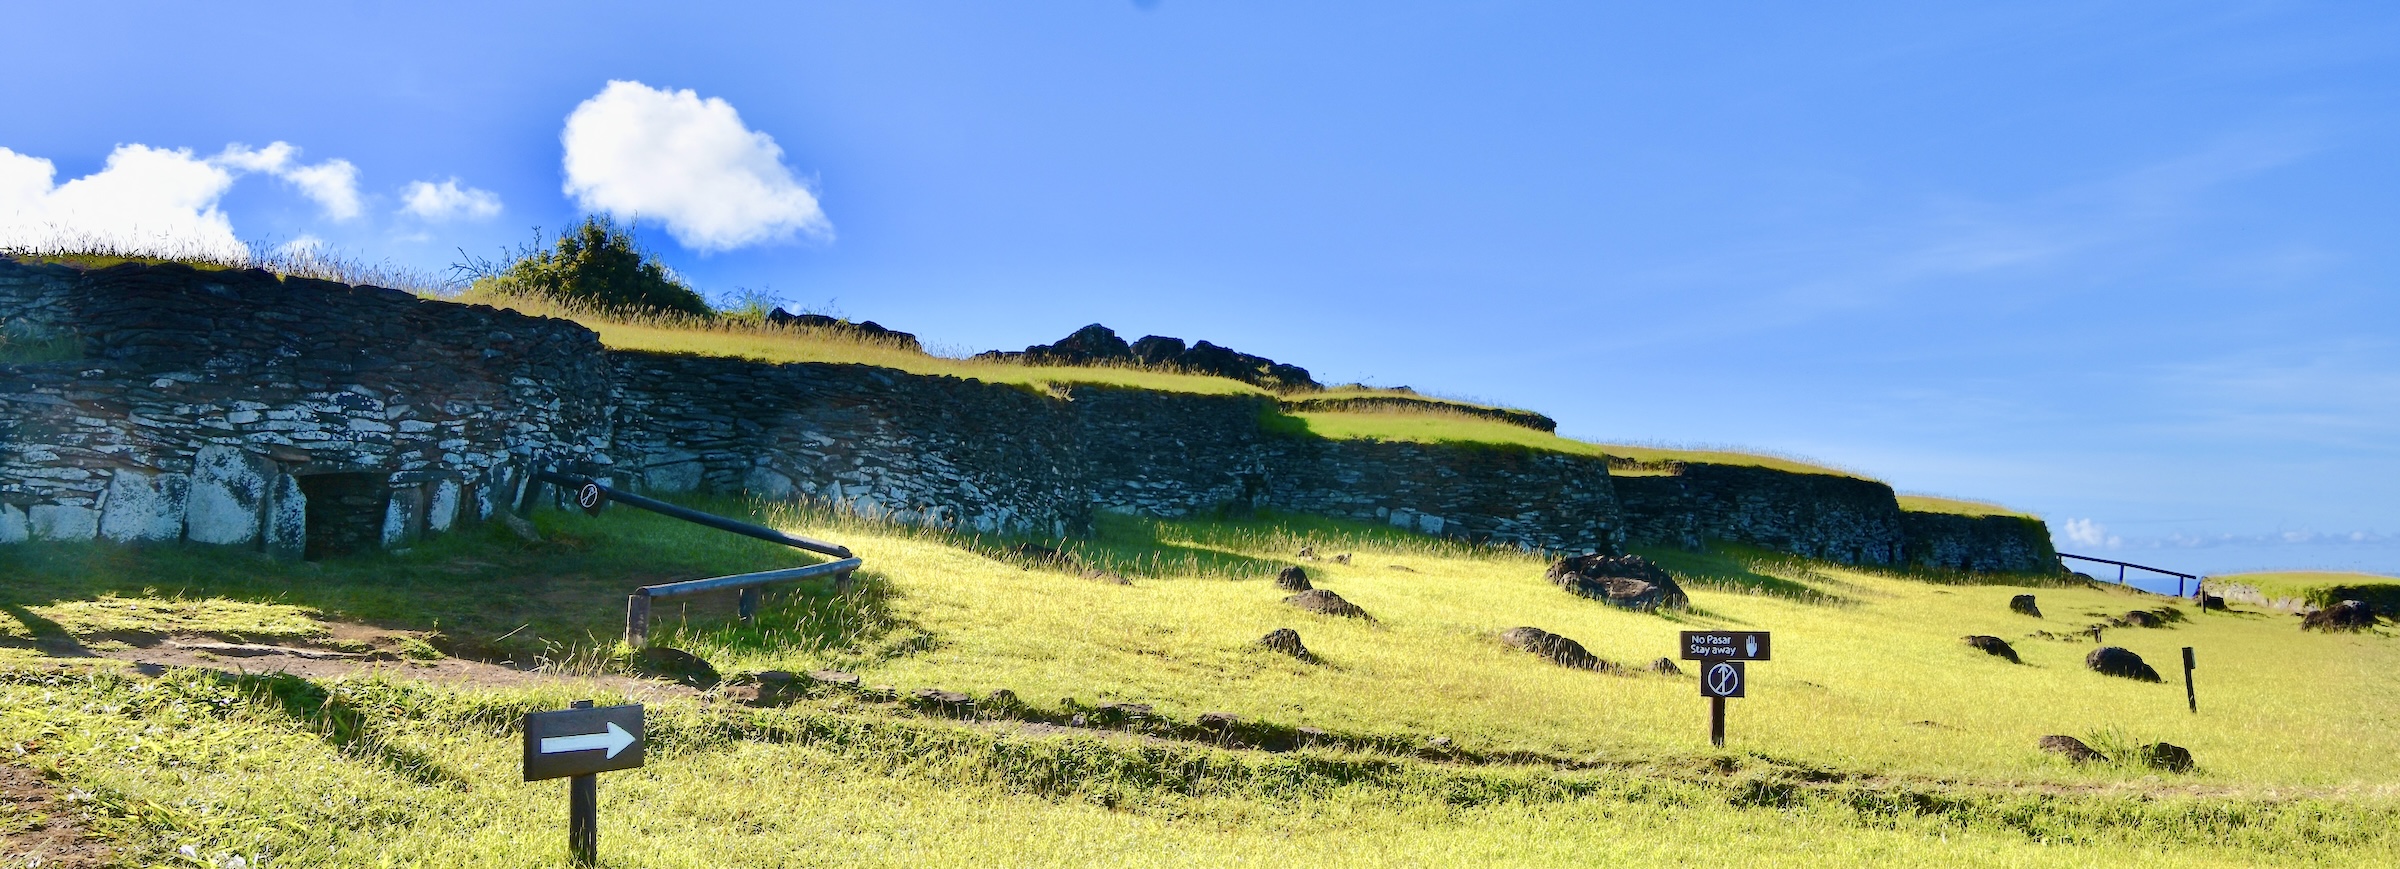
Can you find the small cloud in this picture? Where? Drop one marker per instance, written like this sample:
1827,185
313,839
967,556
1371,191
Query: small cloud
2085,532
304,246
641,152
448,201
333,184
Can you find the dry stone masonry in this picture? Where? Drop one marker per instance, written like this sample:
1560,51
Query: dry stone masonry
305,418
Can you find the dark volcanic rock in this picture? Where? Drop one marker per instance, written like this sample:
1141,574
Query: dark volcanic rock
1097,344
2212,602
946,703
1994,646
2023,603
1628,581
678,665
2172,758
2349,615
1327,603
1287,641
1156,350
1293,579
2072,748
2143,619
2119,661
1560,650
1666,667
868,329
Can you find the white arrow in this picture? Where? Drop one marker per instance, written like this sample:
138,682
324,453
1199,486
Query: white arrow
614,740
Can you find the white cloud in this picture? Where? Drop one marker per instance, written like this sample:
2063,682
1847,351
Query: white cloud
333,184
448,201
142,198
2085,532
642,152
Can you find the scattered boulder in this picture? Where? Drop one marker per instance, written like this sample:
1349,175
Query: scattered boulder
1219,721
2349,615
1287,641
2211,602
1559,650
2172,758
2119,661
518,525
1343,558
869,329
2023,603
2141,619
771,688
1325,602
1293,579
1994,646
2073,749
1628,581
677,665
1113,714
1097,344
1308,553
936,701
1666,667
834,679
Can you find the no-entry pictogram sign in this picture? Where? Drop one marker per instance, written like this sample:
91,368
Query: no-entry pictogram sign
1723,679
590,498
1724,658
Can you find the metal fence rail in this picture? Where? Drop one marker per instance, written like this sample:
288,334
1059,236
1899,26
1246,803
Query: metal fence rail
591,495
2180,577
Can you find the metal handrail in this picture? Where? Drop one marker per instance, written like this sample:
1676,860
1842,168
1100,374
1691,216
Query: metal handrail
2121,565
696,517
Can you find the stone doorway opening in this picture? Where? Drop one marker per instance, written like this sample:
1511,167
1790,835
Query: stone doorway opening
345,512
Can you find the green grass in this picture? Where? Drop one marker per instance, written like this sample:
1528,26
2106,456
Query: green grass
2321,588
1434,426
1957,506
1874,737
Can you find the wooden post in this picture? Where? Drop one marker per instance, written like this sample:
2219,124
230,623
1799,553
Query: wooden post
583,814
749,604
841,583
2095,634
2189,696
637,620
1716,721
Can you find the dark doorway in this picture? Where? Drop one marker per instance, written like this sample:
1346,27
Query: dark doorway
345,512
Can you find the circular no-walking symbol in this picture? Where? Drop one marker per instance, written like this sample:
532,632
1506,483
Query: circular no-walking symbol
1723,679
590,499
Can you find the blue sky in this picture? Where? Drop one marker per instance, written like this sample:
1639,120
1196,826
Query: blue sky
2130,266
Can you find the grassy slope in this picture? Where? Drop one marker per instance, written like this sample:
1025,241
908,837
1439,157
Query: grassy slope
1862,658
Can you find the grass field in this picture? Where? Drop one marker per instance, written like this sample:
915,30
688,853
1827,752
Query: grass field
1875,736
2320,588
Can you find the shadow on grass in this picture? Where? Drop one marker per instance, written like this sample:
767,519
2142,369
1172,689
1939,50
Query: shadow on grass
478,593
333,718
1132,547
1720,569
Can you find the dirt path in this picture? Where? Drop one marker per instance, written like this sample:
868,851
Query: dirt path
39,828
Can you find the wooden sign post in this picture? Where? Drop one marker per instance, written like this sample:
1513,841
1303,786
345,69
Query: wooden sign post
577,744
1724,657
2188,695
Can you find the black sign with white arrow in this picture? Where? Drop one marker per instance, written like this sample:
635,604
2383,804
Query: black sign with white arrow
573,742
1723,679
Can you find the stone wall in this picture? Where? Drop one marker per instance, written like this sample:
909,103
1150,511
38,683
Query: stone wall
1999,544
300,416
207,403
1836,518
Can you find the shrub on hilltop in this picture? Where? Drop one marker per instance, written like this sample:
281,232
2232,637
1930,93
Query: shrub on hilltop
597,265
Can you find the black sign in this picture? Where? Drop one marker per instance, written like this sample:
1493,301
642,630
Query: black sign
590,498
573,742
1723,679
1726,645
